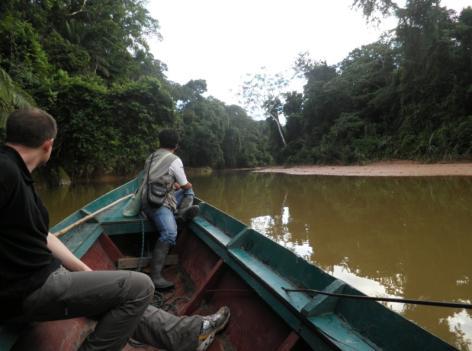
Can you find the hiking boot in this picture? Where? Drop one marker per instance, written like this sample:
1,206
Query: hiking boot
186,210
189,213
157,263
212,325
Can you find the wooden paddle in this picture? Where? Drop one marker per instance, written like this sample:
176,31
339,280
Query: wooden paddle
90,216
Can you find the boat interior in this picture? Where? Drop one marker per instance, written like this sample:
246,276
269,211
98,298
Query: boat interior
203,283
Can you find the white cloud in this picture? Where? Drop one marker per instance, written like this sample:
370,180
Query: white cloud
221,41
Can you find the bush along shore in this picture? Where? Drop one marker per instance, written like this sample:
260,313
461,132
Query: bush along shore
405,96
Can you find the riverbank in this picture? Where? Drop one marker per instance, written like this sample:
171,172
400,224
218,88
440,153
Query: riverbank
378,169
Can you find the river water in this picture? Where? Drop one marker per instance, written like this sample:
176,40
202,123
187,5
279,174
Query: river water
396,237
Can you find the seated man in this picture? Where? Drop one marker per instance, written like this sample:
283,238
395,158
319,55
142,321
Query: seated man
40,279
166,168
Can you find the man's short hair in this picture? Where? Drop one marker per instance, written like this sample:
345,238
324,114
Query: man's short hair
30,127
168,138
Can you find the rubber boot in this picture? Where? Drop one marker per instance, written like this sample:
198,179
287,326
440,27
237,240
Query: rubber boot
186,210
157,263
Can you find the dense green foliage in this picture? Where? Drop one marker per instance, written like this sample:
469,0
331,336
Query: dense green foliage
409,95
88,63
218,135
11,96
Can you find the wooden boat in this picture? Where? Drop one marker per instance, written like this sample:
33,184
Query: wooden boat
223,262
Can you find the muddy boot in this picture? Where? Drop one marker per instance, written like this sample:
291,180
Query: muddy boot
157,263
186,210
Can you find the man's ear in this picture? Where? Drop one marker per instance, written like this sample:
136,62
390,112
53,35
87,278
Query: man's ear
47,145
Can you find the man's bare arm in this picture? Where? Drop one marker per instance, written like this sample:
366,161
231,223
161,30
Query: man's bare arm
63,254
177,186
186,186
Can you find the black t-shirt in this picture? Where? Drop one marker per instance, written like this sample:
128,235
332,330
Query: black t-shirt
25,260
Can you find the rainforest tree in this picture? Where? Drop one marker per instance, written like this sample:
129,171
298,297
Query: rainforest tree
89,64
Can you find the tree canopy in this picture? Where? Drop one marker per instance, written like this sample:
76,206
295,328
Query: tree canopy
88,63
407,95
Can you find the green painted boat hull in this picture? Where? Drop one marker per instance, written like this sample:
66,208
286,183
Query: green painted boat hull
322,322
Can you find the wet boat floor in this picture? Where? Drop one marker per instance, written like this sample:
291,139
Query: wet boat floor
204,283
176,301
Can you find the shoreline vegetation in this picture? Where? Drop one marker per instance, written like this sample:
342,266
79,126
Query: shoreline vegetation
407,95
377,169
393,168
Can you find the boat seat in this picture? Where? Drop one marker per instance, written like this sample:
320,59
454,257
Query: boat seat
114,223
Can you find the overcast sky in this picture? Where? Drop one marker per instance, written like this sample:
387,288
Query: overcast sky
222,40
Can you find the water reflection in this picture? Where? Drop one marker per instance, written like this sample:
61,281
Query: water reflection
64,200
276,227
460,323
368,286
403,237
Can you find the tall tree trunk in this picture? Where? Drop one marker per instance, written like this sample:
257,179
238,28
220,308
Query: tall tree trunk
279,128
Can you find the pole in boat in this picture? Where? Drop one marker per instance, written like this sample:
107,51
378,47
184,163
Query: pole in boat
384,299
90,216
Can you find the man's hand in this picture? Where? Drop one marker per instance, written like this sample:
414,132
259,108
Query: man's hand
186,186
176,186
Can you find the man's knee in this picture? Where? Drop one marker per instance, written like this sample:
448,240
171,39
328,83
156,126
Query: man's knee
141,286
168,237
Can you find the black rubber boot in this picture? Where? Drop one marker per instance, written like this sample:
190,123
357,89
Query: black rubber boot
186,210
157,263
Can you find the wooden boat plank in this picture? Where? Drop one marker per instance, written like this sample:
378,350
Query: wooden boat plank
212,230
282,260
114,223
342,334
214,274
120,228
110,248
377,322
134,262
290,342
322,303
227,224
80,239
277,282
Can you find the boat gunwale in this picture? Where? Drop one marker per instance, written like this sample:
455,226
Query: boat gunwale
298,315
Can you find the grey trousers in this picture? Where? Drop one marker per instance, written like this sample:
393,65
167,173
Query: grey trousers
119,301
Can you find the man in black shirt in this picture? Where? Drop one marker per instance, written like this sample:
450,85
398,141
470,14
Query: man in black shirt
40,279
